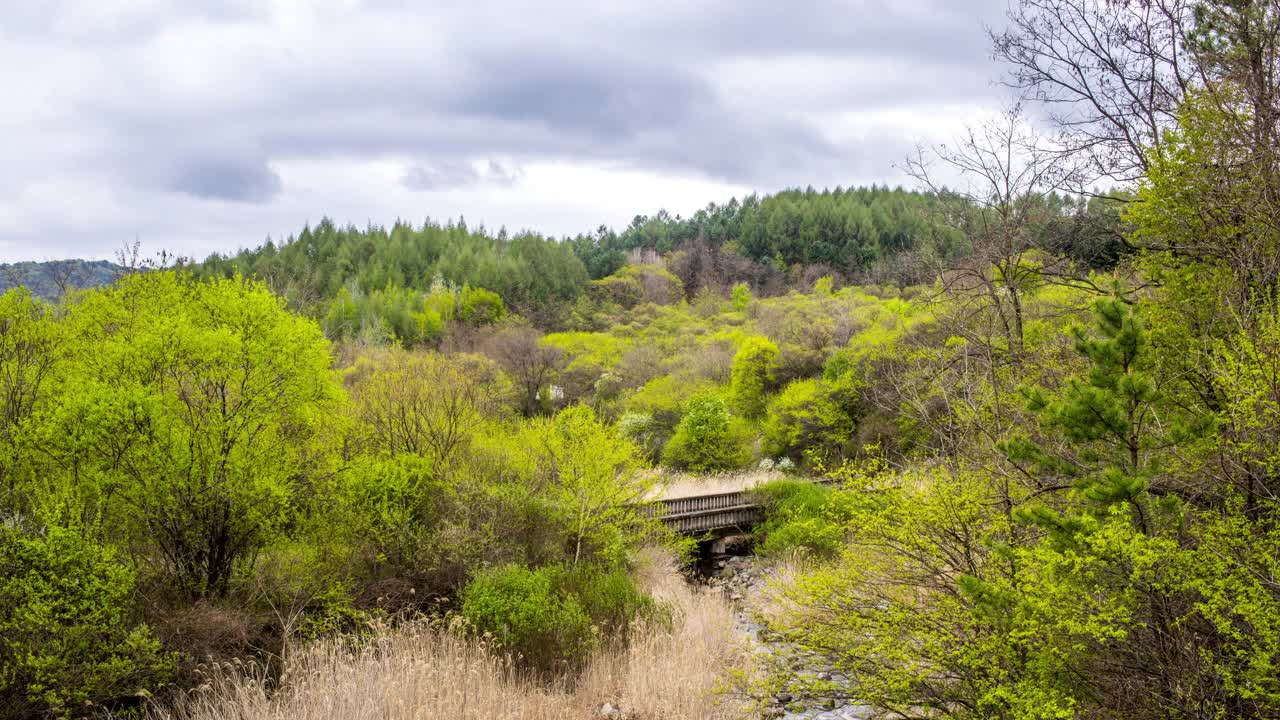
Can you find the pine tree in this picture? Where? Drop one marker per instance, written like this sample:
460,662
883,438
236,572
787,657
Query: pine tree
1103,419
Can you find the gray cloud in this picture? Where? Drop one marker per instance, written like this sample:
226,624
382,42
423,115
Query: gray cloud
757,95
453,175
229,179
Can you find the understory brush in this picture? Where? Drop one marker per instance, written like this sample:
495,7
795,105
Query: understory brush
667,670
802,516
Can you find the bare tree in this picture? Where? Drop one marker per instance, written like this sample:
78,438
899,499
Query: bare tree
1111,74
1005,176
532,365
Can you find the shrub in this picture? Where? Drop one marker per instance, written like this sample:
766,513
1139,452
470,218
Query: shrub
708,438
66,640
635,284
753,373
800,515
641,429
609,597
552,617
805,416
477,306
528,614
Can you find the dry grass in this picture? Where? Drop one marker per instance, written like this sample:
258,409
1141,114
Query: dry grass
686,485
422,672
773,603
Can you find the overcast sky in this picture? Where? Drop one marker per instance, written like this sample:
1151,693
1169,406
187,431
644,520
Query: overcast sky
203,125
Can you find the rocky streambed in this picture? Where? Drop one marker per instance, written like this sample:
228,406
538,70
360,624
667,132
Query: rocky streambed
742,578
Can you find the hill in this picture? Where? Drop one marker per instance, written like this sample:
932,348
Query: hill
51,279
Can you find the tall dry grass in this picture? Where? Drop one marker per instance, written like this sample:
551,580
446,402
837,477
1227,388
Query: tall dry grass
688,484
424,671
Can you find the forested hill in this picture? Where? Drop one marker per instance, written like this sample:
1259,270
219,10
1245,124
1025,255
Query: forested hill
51,279
772,243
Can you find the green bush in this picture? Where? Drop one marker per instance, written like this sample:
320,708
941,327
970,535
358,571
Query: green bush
478,306
800,514
754,366
67,642
805,416
708,438
553,616
610,598
527,613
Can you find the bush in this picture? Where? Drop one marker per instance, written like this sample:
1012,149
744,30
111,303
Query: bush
552,617
641,429
477,306
610,598
805,416
527,613
753,374
708,438
635,284
67,643
800,515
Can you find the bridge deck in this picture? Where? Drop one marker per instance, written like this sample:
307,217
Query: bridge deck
712,512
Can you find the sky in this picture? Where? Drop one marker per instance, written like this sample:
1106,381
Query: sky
199,126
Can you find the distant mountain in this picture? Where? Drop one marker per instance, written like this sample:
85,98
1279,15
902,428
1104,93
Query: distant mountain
50,279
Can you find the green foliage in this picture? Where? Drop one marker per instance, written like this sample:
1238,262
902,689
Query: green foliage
552,616
596,482
1105,413
68,642
806,418
740,297
635,284
477,306
528,613
31,343
754,366
841,229
533,275
188,415
800,514
610,598
708,438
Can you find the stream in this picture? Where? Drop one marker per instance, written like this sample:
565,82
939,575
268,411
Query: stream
742,578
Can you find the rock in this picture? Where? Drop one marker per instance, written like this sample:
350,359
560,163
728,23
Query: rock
824,676
607,710
772,713
783,698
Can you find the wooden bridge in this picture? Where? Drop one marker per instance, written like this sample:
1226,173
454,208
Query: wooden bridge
718,513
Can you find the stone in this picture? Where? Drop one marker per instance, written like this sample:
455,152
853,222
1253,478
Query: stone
607,710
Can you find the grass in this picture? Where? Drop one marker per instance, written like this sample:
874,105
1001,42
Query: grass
432,671
689,484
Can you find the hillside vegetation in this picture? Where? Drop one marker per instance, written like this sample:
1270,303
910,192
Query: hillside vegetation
325,473
52,279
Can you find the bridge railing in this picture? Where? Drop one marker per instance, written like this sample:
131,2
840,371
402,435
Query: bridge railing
698,514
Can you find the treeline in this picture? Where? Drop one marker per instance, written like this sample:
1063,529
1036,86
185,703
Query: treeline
533,274
399,284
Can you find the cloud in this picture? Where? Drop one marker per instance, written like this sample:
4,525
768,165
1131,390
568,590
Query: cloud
229,179
169,113
453,175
